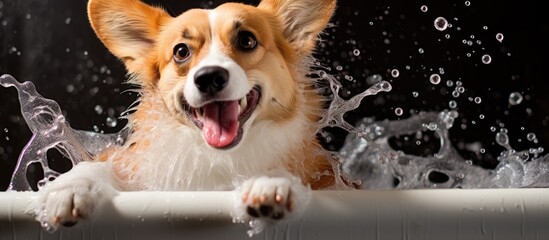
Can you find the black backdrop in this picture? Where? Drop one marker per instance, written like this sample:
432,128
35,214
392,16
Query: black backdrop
50,43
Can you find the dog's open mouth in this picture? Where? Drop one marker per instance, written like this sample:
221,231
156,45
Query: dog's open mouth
221,121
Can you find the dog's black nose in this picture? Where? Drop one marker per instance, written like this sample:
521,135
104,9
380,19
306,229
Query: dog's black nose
211,79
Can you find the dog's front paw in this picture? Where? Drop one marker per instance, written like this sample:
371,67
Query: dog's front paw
65,203
71,197
269,197
264,200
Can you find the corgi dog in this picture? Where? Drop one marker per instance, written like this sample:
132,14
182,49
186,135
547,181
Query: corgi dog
225,104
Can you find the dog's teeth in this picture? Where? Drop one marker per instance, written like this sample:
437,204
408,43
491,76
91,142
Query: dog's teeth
244,103
239,109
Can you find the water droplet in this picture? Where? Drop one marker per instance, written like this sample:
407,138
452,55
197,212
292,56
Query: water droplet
449,83
415,94
98,109
374,79
447,36
441,24
478,100
531,137
6,130
467,3
395,73
432,126
499,37
485,27
486,59
111,122
68,20
481,116
502,139
452,104
70,88
398,111
339,68
356,52
28,16
435,79
386,86
421,51
424,8
515,98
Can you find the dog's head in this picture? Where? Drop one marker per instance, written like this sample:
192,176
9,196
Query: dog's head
218,71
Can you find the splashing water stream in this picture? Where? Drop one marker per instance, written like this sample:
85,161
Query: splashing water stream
50,130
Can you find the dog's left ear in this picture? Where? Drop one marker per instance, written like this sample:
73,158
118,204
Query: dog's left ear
302,20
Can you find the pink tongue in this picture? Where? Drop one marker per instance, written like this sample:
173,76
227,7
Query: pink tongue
220,123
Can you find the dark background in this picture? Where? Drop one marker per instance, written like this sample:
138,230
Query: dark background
50,43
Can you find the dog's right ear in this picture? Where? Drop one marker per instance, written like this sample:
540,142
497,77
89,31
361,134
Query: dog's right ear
128,28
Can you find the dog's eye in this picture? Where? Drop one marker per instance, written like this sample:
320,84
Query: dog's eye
246,41
181,53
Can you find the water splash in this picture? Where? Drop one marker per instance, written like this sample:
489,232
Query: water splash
51,131
445,169
333,117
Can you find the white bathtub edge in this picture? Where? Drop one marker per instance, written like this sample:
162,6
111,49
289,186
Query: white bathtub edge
463,214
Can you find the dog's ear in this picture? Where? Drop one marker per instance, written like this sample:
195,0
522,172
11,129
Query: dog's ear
302,20
128,28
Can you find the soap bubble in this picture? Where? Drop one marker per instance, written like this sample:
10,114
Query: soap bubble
435,79
515,98
441,24
499,37
486,59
